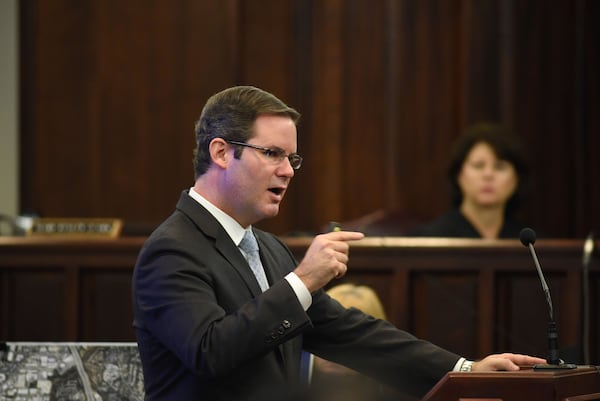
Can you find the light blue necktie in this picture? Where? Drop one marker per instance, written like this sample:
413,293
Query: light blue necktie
249,247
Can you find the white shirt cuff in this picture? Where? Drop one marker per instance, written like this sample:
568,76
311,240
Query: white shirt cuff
300,289
458,364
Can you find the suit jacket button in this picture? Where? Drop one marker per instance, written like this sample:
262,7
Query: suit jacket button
286,324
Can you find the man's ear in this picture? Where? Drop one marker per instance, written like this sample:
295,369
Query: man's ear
219,154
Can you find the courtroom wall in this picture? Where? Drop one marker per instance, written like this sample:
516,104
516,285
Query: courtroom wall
110,91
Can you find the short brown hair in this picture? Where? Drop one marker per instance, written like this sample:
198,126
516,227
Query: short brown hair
230,114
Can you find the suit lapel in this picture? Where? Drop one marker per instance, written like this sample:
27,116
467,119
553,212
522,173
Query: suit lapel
208,225
211,228
235,258
273,270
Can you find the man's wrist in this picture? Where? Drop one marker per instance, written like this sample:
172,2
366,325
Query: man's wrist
300,289
466,366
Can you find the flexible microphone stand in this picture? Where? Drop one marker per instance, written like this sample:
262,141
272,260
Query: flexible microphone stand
527,237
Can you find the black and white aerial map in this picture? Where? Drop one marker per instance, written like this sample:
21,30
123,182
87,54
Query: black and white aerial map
70,372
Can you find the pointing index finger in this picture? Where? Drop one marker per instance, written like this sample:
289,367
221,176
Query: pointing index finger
339,235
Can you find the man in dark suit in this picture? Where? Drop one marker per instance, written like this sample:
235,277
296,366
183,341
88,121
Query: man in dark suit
205,328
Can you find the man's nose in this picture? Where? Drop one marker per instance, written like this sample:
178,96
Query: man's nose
285,168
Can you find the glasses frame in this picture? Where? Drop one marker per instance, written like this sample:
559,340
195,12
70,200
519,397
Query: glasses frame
294,158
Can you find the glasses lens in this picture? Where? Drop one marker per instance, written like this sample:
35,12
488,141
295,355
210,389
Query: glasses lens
295,161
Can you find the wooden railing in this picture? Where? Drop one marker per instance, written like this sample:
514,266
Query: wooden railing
474,297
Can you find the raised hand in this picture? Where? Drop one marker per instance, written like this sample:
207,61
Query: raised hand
326,258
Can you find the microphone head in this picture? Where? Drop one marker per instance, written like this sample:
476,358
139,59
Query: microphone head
527,236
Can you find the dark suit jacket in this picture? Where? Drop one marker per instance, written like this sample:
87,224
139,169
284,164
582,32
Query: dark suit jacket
206,332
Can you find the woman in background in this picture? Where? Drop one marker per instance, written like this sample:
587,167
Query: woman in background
487,172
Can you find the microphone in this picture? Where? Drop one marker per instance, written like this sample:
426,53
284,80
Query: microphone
588,250
527,237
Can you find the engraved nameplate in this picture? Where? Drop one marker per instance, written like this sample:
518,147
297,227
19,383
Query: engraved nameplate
80,227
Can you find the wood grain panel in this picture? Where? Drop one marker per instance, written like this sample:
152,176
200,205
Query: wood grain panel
115,83
544,112
428,44
106,305
33,290
446,310
474,297
110,92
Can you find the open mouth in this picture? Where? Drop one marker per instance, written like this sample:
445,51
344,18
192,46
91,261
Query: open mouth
276,191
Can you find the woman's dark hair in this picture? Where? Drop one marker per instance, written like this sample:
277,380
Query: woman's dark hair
505,144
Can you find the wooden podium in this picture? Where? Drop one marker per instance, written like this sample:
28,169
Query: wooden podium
580,384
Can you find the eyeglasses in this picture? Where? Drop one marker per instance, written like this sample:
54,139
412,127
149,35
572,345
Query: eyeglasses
275,155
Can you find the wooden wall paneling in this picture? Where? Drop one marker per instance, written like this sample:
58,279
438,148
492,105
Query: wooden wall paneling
303,194
470,296
124,96
428,101
594,317
377,278
71,305
588,81
33,291
267,53
399,311
486,315
62,59
322,132
481,70
579,112
110,92
67,290
118,109
88,318
107,313
409,164
391,281
203,62
364,136
502,312
419,305
7,318
446,310
507,60
139,123
568,314
524,324
569,299
570,319
544,114
391,200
